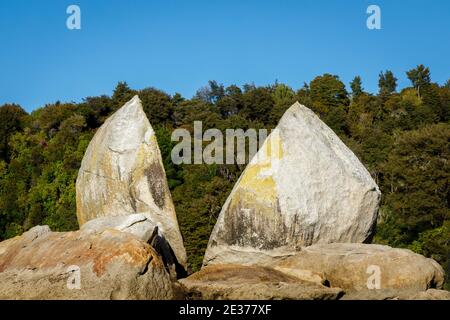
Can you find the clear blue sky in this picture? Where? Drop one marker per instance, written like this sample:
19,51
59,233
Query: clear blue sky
177,46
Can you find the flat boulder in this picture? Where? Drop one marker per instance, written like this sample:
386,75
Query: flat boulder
356,267
304,186
122,174
235,282
74,265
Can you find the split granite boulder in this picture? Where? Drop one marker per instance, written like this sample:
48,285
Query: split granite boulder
111,264
304,186
281,233
122,174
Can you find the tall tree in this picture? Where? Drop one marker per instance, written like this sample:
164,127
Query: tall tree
284,97
257,104
356,86
11,120
231,103
387,83
330,100
211,93
419,77
122,94
447,84
157,105
217,91
327,91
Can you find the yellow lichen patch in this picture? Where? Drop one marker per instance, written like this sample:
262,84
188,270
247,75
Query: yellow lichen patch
258,177
142,158
245,204
263,186
146,155
80,216
273,147
153,139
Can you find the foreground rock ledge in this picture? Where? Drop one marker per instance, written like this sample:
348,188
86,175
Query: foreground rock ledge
234,282
392,294
304,186
349,265
112,265
122,173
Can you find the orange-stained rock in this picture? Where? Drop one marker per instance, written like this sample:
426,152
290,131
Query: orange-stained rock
111,264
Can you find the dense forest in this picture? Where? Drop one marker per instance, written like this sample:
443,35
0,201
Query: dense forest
402,137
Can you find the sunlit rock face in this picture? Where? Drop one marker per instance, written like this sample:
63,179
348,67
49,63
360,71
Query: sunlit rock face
352,266
122,174
46,265
304,186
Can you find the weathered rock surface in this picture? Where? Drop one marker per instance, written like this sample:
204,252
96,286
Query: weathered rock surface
147,231
430,294
346,265
136,224
122,174
111,264
305,275
304,186
234,282
393,294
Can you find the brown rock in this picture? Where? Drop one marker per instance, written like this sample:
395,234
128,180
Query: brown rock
306,275
349,266
431,294
111,264
392,294
235,282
